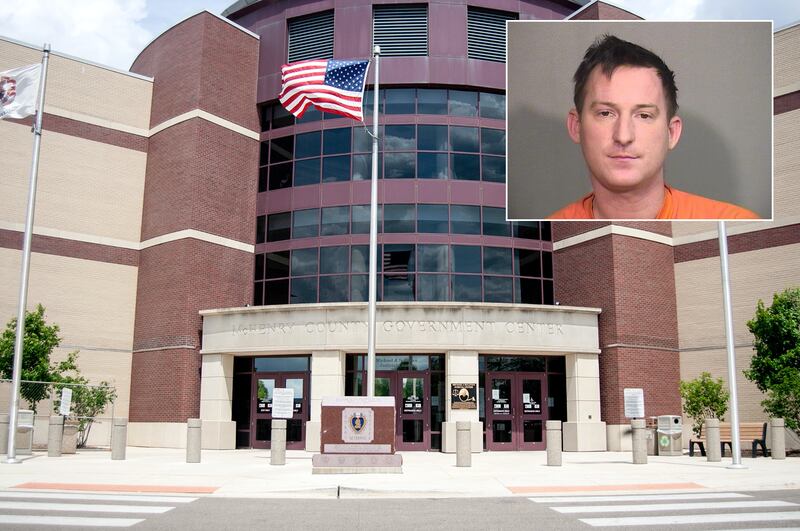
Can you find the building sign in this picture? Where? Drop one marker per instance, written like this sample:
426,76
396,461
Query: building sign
358,425
462,396
634,403
412,404
283,406
66,402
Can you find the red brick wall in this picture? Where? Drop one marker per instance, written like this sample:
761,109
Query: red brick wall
739,243
12,239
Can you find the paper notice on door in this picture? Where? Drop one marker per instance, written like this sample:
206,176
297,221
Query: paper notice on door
495,394
526,398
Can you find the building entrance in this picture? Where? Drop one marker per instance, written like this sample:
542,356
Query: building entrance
410,389
264,384
515,410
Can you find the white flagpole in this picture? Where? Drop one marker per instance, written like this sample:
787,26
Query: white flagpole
11,456
373,234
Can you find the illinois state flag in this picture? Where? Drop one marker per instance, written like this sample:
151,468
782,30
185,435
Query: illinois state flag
329,85
18,89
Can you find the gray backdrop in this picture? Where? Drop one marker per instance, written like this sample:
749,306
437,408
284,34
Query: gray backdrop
723,71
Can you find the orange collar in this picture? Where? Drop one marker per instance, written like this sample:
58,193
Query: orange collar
664,213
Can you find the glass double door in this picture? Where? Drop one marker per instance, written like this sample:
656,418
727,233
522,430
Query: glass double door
515,410
264,385
410,389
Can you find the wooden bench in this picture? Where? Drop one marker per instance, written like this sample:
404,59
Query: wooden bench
754,433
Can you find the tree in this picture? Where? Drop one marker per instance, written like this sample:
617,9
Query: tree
704,398
88,401
775,367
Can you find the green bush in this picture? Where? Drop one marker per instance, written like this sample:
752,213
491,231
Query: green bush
704,398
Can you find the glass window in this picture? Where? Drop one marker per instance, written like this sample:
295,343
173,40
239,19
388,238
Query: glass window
432,257
433,287
282,364
334,288
493,141
466,258
498,289
278,264
545,227
263,153
547,292
465,219
336,141
432,165
359,258
258,293
362,167
431,101
259,270
528,290
276,292
336,169
493,169
399,165
526,229
361,219
527,263
432,137
465,167
265,115
400,138
362,141
400,101
278,226
432,218
334,259
463,103
497,260
493,105
261,229
398,287
464,139
369,101
263,178
399,218
280,176
306,172
547,264
494,222
308,144
305,223
304,262
359,288
304,290
281,149
335,220
311,115
281,117
398,258
467,288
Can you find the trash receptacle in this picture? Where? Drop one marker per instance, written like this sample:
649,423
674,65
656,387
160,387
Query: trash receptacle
670,435
652,439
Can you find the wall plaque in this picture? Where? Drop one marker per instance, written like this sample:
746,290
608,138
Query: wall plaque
463,396
358,425
634,403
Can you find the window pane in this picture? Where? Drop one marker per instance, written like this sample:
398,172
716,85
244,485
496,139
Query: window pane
281,149
432,258
335,220
398,258
432,165
304,262
278,264
493,141
526,229
498,289
258,274
258,293
361,219
432,218
359,288
466,258
493,105
494,222
333,288
467,288
263,153
280,176
362,141
276,292
265,116
497,260
369,101
362,167
278,226
308,145
400,138
545,226
432,137
359,258
433,287
399,218
305,223
464,139
527,263
528,290
548,295
398,287
463,103
281,117
432,101
261,229
336,169
306,172
336,141
304,290
400,101
547,264
311,115
333,259
263,178
399,165
465,167
493,169
465,219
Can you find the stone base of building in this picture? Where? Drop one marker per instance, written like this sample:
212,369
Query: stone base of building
216,435
618,437
449,437
584,436
313,435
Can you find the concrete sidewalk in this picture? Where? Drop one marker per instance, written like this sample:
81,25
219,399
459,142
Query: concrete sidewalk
248,473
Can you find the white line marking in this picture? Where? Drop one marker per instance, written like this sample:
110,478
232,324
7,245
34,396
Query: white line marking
96,497
692,519
84,507
22,519
641,497
636,508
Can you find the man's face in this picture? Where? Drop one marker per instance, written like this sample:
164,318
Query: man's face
624,130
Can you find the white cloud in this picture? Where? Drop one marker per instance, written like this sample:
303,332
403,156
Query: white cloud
672,10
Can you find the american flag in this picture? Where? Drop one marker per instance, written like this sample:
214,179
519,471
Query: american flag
329,85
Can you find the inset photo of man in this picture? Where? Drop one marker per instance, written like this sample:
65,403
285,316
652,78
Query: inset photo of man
639,120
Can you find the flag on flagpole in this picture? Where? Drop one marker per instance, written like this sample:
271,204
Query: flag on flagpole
329,85
18,89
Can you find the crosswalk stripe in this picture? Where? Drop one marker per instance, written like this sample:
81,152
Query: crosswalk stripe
96,497
21,519
678,519
84,507
637,508
640,497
